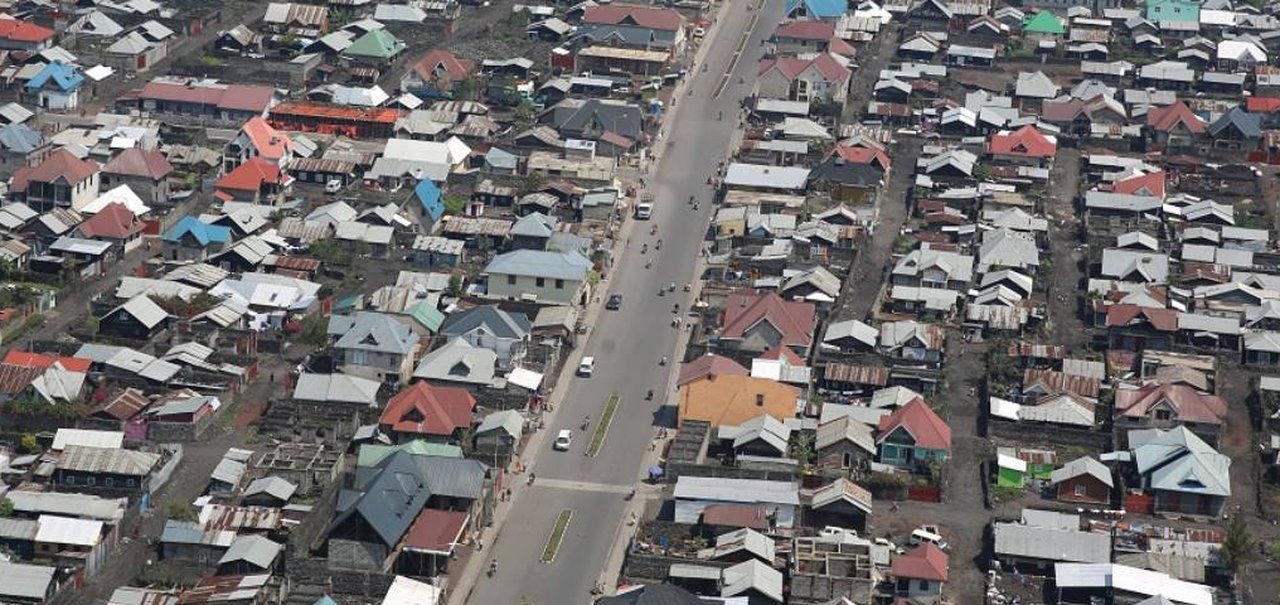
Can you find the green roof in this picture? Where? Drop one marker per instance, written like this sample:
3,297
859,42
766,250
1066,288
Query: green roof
371,453
427,316
1044,22
378,44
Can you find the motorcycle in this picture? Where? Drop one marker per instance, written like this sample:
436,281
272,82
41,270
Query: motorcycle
493,568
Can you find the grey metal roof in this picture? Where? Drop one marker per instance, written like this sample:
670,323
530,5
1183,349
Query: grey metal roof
1051,544
509,421
253,549
766,177
228,471
492,319
19,580
736,490
143,309
458,361
1083,465
272,486
69,504
107,460
535,224
338,388
370,331
1131,265
538,263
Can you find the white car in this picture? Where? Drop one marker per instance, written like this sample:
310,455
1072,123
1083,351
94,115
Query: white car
333,186
563,440
587,367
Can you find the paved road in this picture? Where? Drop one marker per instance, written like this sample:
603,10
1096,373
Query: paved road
627,345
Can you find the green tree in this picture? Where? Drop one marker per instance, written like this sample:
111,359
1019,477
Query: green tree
802,450
1239,548
315,331
183,511
455,285
526,113
6,507
982,172
29,444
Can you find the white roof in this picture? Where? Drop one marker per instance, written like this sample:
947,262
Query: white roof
1011,462
87,438
404,591
525,378
736,490
1131,579
1003,408
770,177
449,152
53,529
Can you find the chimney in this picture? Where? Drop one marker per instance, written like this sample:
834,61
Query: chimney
760,400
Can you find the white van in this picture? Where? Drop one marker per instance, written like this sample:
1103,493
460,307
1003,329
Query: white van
644,211
928,533
587,366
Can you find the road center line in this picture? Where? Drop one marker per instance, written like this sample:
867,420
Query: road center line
583,486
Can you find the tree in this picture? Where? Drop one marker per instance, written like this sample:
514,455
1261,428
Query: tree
803,451
315,331
526,113
29,444
6,507
183,511
1239,547
455,285
981,172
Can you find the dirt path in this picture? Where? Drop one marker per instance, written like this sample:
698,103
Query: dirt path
1064,289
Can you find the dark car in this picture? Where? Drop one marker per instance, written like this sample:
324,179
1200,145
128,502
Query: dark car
615,302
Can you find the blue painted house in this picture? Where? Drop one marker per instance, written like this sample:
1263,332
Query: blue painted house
1183,11
912,437
816,9
193,240
57,86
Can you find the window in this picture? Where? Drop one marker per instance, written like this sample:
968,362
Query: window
1080,490
511,280
541,282
1163,415
924,585
109,482
846,460
88,480
559,284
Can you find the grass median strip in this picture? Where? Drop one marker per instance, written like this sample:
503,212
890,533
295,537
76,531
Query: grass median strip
557,536
597,438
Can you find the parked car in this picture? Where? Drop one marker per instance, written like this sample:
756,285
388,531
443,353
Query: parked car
615,302
333,186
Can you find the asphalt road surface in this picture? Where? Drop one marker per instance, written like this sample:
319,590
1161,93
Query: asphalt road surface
627,345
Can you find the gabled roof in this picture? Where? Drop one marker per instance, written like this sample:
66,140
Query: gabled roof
1186,403
918,419
1165,119
20,138
114,221
377,44
1164,320
440,64
1082,466
1150,183
251,175
1177,460
203,233
1025,142
424,409
806,30
1248,124
371,331
136,161
270,143
61,164
650,17
63,76
492,319
924,562
792,67
539,263
143,309
795,321
709,365
23,31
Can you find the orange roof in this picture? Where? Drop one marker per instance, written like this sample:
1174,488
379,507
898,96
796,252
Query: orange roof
1150,184
924,562
781,352
384,115
22,31
444,65
1024,142
1262,104
36,360
271,144
730,400
928,430
424,409
250,176
864,155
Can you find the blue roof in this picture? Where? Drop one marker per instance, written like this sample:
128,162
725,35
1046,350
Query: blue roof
203,232
65,76
325,600
431,199
19,138
819,9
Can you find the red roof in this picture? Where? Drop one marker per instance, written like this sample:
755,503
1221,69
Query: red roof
736,515
250,176
928,430
36,360
22,31
270,143
240,97
1164,320
1150,184
924,562
864,155
1262,104
302,109
665,19
792,67
795,321
61,164
780,352
806,30
1026,142
436,531
135,161
1189,405
709,365
1164,119
428,410
442,60
114,221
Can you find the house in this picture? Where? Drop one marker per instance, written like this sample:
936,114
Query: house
297,19
1183,472
1165,405
17,143
913,341
849,336
804,36
823,78
268,491
374,344
1172,11
763,436
458,362
595,119
437,74
538,275
60,180
851,174
249,553
17,34
499,431
23,583
844,443
933,268
208,98
1237,129
734,399
920,573
56,86
913,437
694,495
257,139
256,181
1175,126
815,9
631,26
1043,538
1083,481
423,411
114,224
192,240
98,469
139,318
377,48
491,327
755,322
1027,146
145,171
332,389
754,581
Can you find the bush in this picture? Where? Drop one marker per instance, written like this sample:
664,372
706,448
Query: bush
183,511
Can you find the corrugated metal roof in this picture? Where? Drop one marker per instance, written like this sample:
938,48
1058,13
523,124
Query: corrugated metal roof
19,580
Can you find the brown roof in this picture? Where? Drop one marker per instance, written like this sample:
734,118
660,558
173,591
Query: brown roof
795,321
709,365
736,515
454,68
124,406
733,400
844,372
61,164
1188,404
1062,383
114,221
1163,320
15,378
138,162
652,17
